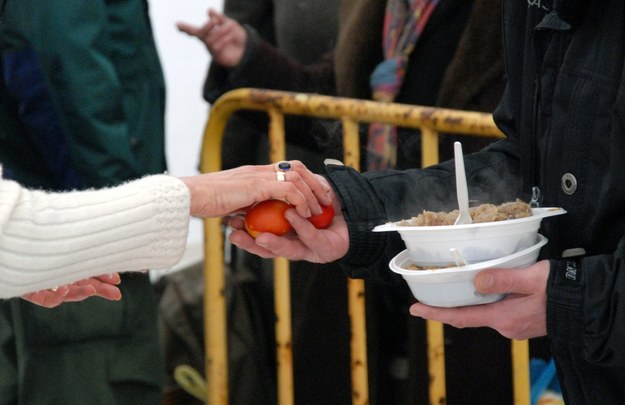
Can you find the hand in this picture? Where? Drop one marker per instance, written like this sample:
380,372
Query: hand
521,315
306,243
224,38
102,286
226,192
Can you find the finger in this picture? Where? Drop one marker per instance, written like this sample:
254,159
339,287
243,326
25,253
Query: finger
93,287
50,301
79,292
301,248
188,29
33,297
217,19
318,185
307,184
291,193
112,278
304,229
207,29
519,281
217,16
109,292
102,288
229,38
243,240
236,222
220,40
47,298
292,249
463,317
301,195
220,18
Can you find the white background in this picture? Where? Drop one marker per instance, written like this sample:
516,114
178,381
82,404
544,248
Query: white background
185,61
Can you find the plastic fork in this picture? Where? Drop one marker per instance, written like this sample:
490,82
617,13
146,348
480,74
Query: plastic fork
457,257
464,217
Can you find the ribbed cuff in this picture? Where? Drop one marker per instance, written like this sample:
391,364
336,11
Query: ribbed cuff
172,215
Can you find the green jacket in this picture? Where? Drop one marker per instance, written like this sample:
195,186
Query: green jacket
101,67
81,105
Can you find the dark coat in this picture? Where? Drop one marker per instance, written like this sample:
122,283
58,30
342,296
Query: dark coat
298,31
562,113
460,54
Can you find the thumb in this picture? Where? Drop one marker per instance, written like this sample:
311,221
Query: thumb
501,281
523,280
216,15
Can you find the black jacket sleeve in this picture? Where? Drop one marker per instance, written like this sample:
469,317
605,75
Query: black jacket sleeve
376,197
265,66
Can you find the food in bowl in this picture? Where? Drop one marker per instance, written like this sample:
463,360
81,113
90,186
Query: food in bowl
481,213
476,242
453,286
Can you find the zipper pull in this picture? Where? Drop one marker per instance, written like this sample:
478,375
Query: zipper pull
535,197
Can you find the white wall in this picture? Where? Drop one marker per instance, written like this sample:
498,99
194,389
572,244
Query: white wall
184,61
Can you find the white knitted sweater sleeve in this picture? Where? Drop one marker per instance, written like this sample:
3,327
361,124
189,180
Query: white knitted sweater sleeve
51,239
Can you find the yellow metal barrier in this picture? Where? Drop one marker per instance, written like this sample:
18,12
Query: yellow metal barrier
431,121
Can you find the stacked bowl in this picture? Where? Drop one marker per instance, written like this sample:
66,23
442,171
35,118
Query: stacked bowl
436,277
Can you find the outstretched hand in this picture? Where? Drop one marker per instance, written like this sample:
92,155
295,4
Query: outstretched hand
520,315
225,192
305,242
224,38
102,286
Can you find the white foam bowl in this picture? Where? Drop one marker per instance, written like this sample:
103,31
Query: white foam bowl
453,286
428,246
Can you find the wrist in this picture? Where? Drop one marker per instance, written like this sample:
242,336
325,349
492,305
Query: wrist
190,184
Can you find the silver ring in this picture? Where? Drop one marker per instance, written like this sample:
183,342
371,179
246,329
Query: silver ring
281,168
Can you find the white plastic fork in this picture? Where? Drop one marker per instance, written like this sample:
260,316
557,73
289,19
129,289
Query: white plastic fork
464,216
457,257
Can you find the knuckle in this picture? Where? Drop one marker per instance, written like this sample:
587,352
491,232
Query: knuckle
461,324
506,326
295,176
507,281
297,164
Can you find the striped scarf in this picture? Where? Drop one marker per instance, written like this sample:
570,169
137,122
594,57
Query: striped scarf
404,22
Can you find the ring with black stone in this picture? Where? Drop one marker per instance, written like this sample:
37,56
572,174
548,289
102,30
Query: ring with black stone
284,166
281,169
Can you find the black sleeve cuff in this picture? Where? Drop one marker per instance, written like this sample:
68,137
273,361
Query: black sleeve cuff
362,211
565,320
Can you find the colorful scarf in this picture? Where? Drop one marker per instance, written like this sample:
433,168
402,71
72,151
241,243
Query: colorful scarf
404,22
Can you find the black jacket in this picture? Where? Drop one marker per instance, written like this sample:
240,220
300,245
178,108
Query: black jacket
563,113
